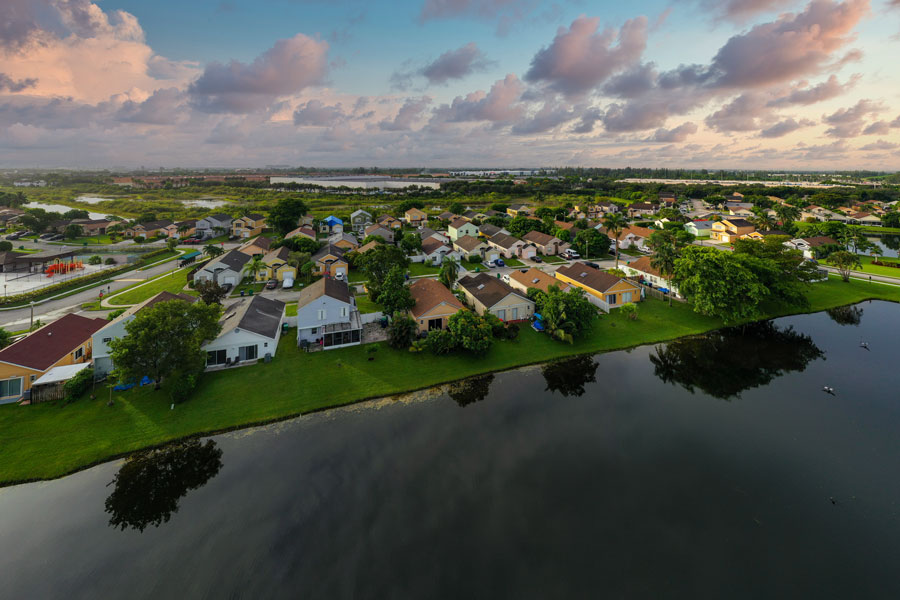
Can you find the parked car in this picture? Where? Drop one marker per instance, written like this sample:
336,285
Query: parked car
227,287
499,263
271,284
45,236
339,277
537,259
593,265
56,237
571,254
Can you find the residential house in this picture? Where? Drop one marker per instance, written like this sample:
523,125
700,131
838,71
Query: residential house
415,217
603,289
227,269
115,329
459,227
491,295
518,210
435,251
330,260
605,208
470,247
699,229
761,235
359,220
486,230
641,209
535,278
426,233
546,244
739,209
182,229
277,266
366,247
389,222
381,231
435,304
251,328
149,229
258,246
331,225
248,226
509,246
346,241
304,231
66,341
211,226
95,226
327,315
865,218
446,216
631,236
728,230
813,247
649,275
667,199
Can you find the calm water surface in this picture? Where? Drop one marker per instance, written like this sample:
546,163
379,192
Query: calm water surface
711,467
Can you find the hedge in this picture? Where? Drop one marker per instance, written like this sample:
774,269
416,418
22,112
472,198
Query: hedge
74,283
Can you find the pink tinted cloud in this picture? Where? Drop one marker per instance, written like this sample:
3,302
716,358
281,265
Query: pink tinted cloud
408,115
287,68
582,57
849,122
499,105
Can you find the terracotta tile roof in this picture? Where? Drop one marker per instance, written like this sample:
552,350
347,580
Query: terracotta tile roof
822,240
504,241
643,265
46,346
366,247
429,293
457,223
593,278
327,286
535,278
304,230
536,237
432,245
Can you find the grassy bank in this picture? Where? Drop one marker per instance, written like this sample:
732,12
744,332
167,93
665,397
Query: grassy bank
172,282
50,440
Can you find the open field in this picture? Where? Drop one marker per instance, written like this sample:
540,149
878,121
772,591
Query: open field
50,440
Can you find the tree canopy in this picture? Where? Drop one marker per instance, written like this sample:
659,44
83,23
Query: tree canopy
284,216
377,263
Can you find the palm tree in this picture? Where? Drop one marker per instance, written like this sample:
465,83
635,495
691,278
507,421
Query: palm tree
182,229
615,223
764,222
255,267
449,272
787,213
213,250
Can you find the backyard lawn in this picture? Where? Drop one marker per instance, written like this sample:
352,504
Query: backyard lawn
367,306
420,269
51,439
172,282
512,262
553,260
868,267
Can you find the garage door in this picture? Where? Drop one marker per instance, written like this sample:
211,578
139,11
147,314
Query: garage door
340,271
230,279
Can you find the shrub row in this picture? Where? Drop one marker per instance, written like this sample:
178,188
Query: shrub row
74,283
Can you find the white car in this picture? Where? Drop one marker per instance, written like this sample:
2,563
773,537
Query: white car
570,254
339,277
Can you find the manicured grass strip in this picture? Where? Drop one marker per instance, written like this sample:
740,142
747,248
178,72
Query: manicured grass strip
553,260
868,267
512,262
365,305
173,282
50,440
420,269
290,310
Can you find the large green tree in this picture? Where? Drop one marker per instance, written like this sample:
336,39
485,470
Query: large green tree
210,291
717,284
285,215
844,262
519,226
164,341
591,243
411,242
470,331
377,263
395,296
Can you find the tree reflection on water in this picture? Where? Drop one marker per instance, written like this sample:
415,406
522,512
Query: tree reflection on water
725,363
568,377
846,315
150,484
471,390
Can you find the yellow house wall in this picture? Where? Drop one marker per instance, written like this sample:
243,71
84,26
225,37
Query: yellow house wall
8,371
441,311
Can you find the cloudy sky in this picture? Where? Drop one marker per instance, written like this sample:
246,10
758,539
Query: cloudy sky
696,83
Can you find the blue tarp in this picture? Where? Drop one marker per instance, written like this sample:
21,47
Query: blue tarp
331,221
122,387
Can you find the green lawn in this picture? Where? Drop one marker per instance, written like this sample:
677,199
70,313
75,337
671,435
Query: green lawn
868,267
50,440
173,282
356,276
290,310
367,306
90,240
512,262
246,287
420,269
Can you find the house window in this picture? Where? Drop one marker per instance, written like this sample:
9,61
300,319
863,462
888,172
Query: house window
321,314
11,387
313,330
216,357
247,352
343,311
626,297
435,324
501,314
611,299
107,340
32,378
515,314
79,353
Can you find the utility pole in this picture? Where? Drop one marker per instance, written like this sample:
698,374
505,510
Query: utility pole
31,326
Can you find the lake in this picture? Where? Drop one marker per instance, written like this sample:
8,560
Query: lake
710,467
205,203
61,208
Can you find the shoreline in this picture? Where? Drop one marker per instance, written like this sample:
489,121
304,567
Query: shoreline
140,429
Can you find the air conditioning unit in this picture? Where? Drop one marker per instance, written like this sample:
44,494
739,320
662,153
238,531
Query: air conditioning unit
268,357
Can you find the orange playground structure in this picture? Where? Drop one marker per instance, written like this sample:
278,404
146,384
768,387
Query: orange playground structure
61,268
